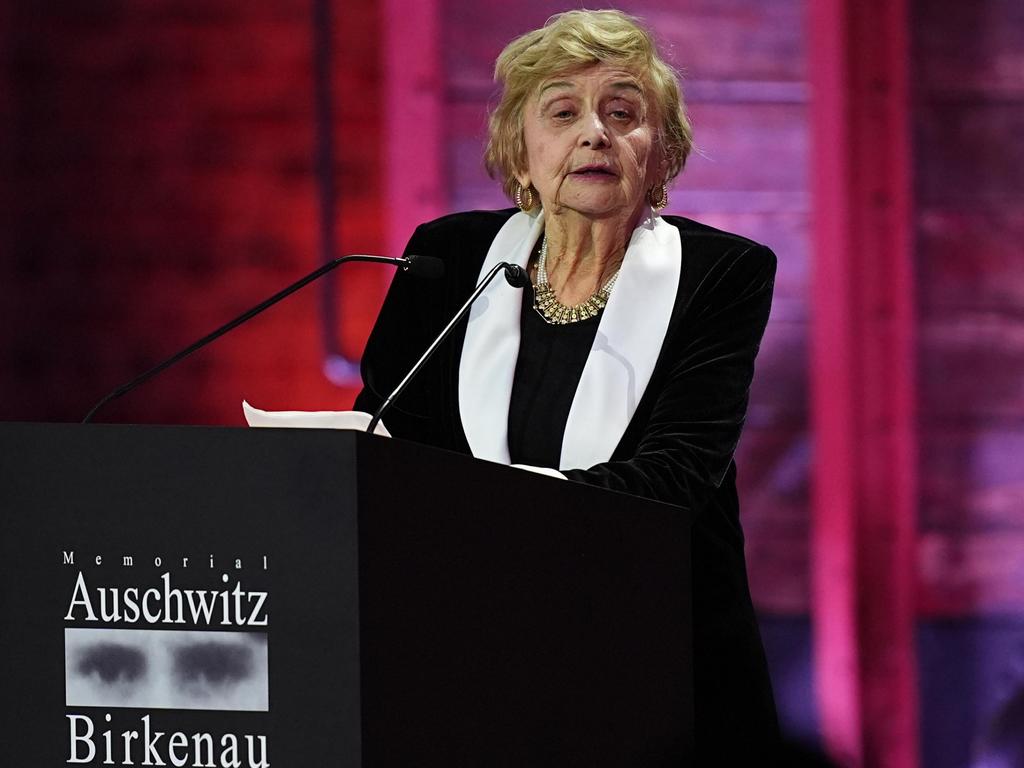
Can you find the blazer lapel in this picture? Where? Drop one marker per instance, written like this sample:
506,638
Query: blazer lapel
622,359
491,346
626,348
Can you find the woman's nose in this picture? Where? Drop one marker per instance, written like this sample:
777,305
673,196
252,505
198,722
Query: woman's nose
593,133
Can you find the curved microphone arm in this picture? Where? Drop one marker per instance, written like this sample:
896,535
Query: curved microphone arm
516,277
406,263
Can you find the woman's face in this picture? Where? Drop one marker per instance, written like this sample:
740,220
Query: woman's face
590,143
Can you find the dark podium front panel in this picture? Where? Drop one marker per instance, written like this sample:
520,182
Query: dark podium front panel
201,596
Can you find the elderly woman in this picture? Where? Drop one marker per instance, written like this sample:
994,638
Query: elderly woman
628,361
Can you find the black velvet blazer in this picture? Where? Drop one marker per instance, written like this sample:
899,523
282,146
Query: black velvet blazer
677,448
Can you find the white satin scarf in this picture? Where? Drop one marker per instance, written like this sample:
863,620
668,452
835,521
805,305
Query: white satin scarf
622,358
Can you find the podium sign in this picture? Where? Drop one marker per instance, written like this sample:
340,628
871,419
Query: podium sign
230,597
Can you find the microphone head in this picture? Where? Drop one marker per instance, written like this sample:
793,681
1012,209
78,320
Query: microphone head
429,267
516,276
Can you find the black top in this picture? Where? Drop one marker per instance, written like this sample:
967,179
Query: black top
548,370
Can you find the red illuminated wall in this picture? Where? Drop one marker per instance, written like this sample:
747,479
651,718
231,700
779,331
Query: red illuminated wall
970,224
161,180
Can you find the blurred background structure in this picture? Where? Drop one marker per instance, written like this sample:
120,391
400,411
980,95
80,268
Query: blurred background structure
165,164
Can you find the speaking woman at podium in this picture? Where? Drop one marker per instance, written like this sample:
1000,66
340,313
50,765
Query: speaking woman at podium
626,363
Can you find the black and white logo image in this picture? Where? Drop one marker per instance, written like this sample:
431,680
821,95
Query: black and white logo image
167,669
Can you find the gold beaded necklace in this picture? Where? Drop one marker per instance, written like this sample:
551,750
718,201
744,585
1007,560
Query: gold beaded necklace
555,312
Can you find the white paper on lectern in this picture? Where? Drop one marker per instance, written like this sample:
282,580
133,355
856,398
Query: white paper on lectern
541,470
355,420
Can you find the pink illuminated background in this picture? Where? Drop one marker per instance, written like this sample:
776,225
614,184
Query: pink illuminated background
163,167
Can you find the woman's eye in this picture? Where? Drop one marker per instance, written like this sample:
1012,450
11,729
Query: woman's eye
563,114
112,662
213,663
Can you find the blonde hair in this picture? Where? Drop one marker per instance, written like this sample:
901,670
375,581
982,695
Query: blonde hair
571,41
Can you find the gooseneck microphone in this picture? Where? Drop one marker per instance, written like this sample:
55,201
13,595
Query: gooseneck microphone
427,267
515,276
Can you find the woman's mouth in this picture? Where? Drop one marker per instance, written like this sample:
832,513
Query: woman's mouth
594,173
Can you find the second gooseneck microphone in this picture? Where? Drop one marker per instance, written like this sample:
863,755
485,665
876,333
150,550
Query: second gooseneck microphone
516,277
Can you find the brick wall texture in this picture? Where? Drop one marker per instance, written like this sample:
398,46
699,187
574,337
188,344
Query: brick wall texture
159,178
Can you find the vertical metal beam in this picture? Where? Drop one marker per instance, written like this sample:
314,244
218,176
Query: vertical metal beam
833,550
338,368
416,189
8,138
863,383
